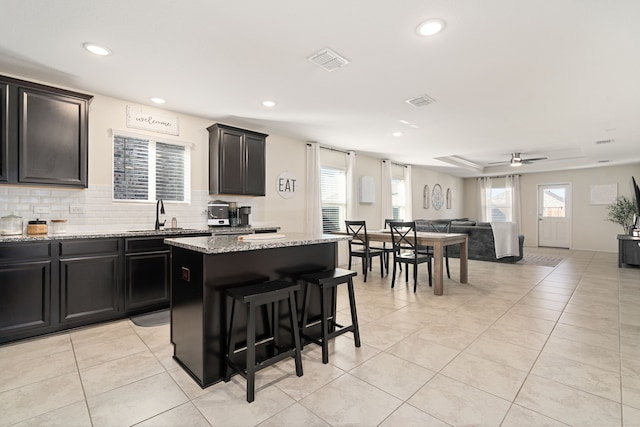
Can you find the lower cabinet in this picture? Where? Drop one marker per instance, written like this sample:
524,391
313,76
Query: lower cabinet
48,286
146,274
89,271
25,289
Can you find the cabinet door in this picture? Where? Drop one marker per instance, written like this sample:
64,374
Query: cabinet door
147,280
231,161
88,288
631,252
4,147
25,290
254,171
52,138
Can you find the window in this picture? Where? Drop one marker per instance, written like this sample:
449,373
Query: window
398,199
501,210
333,189
148,170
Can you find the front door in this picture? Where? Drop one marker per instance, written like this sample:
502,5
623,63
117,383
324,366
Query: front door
554,216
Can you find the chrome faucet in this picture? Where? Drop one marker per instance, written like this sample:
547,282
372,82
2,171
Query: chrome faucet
160,205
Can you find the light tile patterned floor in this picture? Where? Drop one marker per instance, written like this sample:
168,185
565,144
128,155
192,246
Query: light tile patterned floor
519,345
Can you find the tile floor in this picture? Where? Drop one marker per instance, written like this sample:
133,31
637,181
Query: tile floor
519,345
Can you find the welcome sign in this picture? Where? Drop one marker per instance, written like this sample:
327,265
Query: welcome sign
140,118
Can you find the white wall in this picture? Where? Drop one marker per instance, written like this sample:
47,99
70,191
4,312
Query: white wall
423,176
590,229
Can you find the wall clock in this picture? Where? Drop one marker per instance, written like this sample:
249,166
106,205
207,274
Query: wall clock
437,197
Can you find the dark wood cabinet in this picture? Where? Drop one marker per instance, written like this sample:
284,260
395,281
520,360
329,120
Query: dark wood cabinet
4,153
236,161
25,288
146,274
628,250
89,280
44,134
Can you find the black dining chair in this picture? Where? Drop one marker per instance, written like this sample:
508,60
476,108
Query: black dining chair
405,251
438,226
386,248
359,247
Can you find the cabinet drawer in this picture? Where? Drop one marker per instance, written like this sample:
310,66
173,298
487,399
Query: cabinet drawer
87,247
146,244
21,251
631,252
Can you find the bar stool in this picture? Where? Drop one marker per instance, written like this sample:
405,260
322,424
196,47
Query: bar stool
255,296
327,281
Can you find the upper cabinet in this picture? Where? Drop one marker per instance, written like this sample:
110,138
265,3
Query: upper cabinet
44,134
236,161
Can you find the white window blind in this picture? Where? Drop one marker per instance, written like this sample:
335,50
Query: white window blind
147,170
333,189
398,199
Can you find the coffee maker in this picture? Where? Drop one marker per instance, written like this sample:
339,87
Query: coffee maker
217,213
244,212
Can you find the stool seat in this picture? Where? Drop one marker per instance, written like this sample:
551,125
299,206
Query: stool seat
263,292
327,281
254,297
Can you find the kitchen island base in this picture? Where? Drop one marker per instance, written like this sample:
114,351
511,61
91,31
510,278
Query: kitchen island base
200,310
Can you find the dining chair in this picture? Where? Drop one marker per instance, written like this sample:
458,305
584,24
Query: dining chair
405,251
359,247
386,248
437,226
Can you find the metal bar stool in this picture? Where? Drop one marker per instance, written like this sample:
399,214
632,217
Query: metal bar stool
327,281
255,296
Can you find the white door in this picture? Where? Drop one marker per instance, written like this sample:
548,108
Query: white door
554,216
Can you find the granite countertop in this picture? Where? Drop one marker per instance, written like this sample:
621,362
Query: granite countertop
226,244
129,233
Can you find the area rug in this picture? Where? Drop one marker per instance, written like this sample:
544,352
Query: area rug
543,260
157,318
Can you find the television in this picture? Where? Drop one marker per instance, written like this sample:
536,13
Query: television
636,223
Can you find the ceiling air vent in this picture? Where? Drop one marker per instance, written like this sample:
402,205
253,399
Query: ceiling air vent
605,141
328,59
420,101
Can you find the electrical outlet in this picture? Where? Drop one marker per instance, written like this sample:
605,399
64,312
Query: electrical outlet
76,209
41,209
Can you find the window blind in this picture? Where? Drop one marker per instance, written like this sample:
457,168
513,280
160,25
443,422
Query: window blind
333,189
130,168
170,172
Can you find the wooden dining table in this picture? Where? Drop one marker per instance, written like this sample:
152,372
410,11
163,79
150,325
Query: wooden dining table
438,241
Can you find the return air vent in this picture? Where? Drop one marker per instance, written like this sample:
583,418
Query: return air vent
328,59
420,101
605,141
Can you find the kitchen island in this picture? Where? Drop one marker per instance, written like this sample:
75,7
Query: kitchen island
203,268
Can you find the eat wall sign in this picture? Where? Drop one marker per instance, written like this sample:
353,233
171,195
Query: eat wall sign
286,185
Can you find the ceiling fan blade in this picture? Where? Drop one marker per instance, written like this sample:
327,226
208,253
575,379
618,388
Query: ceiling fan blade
533,159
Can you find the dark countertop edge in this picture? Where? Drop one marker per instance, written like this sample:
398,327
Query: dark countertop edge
228,244
133,233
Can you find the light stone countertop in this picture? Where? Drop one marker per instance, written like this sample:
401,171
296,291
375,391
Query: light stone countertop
226,244
130,233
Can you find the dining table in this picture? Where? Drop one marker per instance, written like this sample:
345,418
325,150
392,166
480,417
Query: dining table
438,241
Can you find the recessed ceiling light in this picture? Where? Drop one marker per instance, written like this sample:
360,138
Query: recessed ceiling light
158,100
430,27
269,104
404,122
415,126
398,133
97,49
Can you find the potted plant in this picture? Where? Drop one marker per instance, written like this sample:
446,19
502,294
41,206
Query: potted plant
621,212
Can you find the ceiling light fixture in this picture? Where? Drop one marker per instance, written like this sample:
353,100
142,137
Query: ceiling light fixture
97,49
158,100
269,104
397,133
431,27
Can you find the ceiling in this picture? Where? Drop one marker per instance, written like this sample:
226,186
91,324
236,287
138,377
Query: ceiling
543,78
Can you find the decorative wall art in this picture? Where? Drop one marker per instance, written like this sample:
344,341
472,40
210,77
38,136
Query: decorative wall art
448,198
437,198
426,197
140,118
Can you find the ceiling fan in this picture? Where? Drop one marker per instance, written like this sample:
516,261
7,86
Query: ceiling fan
517,160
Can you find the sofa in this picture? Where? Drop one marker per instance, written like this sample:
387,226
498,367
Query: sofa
481,245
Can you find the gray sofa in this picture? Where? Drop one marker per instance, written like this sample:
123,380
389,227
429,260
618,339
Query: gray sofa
481,244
